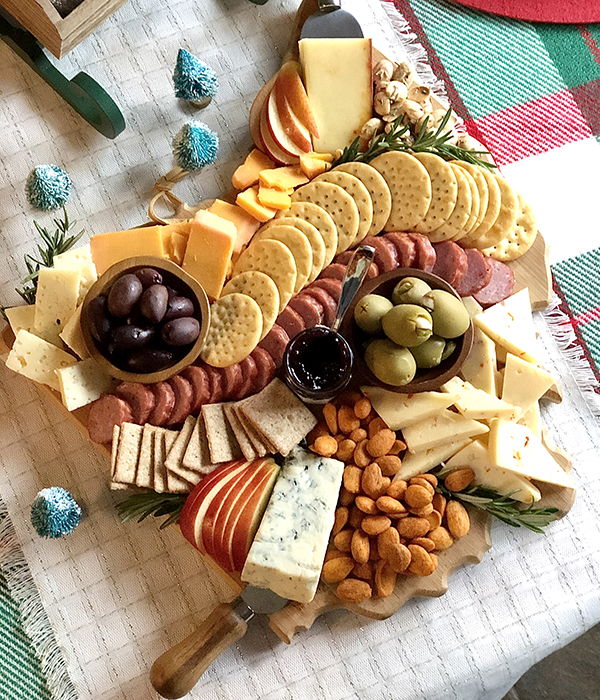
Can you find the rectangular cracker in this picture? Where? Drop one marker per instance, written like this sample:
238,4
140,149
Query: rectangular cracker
128,450
113,449
240,434
174,459
144,476
160,453
197,455
222,443
260,446
279,415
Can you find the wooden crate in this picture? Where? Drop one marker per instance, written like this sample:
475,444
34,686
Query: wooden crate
60,35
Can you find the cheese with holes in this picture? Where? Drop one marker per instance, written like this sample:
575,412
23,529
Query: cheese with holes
524,383
83,383
78,259
21,317
477,404
480,366
337,72
72,335
110,248
55,301
289,548
209,249
37,359
245,224
419,462
402,410
440,428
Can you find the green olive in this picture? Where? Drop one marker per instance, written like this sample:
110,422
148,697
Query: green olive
369,311
430,353
410,290
449,349
390,363
407,325
450,318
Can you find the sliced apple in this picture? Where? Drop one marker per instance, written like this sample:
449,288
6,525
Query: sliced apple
290,85
293,127
270,145
255,112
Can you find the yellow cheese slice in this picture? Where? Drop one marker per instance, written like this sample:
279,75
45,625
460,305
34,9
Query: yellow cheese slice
419,462
21,317
82,383
78,259
55,301
274,198
247,174
72,335
524,383
248,200
480,366
37,359
110,248
441,428
284,178
477,404
402,410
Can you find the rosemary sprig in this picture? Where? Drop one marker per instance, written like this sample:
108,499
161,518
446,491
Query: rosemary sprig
503,507
141,505
401,138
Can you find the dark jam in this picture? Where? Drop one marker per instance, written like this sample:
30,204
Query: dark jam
318,364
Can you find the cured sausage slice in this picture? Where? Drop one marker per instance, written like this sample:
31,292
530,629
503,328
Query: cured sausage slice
232,379
331,286
265,368
105,413
291,321
164,398
386,257
140,398
499,287
335,271
215,384
328,304
308,308
249,372
425,252
198,378
478,274
451,262
406,248
275,343
183,399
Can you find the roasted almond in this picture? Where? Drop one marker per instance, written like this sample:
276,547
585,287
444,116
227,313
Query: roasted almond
330,416
367,505
346,498
431,478
457,519
373,483
424,511
441,538
362,408
397,447
352,478
347,421
355,516
375,426
361,457
390,506
399,557
419,481
385,579
353,590
459,479
375,524
439,503
425,542
319,430
364,571
379,444
389,464
360,547
326,446
358,435
341,518
434,519
421,563
336,570
388,538
343,540
397,488
334,554
417,496
412,527
345,450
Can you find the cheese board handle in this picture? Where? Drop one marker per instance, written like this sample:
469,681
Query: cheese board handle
177,671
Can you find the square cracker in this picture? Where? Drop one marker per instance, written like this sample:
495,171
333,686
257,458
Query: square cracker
222,443
144,476
279,415
197,455
240,433
160,453
128,450
174,459
258,442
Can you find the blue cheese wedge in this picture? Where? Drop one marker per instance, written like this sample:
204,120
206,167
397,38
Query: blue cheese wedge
288,550
37,359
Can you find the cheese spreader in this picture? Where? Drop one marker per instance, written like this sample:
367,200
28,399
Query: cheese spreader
177,671
331,22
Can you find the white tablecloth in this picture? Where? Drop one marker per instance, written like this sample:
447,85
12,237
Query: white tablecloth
118,595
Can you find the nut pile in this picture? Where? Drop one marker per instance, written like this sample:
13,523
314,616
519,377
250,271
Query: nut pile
383,527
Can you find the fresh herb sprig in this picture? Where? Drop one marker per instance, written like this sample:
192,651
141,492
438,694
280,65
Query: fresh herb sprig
139,506
503,507
401,138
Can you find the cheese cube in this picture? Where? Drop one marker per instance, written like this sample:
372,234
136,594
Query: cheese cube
110,248
402,410
247,174
83,383
72,335
524,383
249,201
312,166
21,317
37,359
337,72
55,301
274,199
441,428
209,250
284,178
288,550
78,259
245,224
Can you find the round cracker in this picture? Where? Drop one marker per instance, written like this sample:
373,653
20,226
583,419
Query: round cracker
314,238
461,213
380,193
262,289
338,204
520,239
475,204
234,330
299,246
506,219
320,219
491,212
483,194
410,187
359,193
274,259
444,191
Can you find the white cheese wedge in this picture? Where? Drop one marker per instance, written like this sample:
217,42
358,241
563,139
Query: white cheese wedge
515,448
337,72
21,317
288,550
480,366
420,462
72,335
37,359
55,302
402,410
83,383
477,404
491,476
472,306
533,420
441,428
510,324
524,383
79,259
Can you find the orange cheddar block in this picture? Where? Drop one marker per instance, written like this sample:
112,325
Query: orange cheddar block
285,178
274,199
247,173
313,164
249,201
208,252
110,248
175,238
245,224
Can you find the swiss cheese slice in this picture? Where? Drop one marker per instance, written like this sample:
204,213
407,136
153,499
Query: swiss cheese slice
532,420
402,410
419,462
82,383
72,335
524,383
55,302
78,259
441,428
21,317
37,359
477,404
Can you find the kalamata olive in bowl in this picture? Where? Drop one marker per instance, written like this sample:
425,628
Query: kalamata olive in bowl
145,319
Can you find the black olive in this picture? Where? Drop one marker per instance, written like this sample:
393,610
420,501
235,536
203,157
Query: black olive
153,303
124,294
181,331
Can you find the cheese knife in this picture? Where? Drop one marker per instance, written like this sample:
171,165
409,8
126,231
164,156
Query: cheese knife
331,22
177,671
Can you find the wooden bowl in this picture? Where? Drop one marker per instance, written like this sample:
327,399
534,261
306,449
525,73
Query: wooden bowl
173,276
425,379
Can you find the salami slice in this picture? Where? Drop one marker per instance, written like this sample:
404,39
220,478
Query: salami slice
450,263
385,257
425,252
308,308
248,368
335,271
499,287
343,258
232,379
140,398
406,248
332,287
372,272
183,399
275,343
328,304
265,369
291,321
478,274
164,398
215,384
105,413
198,378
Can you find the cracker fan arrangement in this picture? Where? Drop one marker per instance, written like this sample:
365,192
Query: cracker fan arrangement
358,501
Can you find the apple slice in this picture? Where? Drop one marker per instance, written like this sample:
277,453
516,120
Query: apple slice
279,108
290,85
255,112
271,147
278,130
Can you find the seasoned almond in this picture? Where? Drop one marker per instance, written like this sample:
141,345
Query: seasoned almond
424,511
326,446
363,571
421,563
379,444
343,539
358,435
346,497
389,464
352,478
399,557
375,426
397,447
373,483
375,524
439,503
341,518
319,430
353,590
360,547
457,519
431,478
459,479
441,538
361,457
390,506
334,554
412,527
367,505
419,481
336,570
355,516
362,408
385,579
345,450
417,496
330,416
388,538
434,519
347,421
397,488
425,542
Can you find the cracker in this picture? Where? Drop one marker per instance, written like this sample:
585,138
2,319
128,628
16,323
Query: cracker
315,240
174,458
461,213
338,204
381,196
274,259
113,448
410,188
235,328
359,193
176,484
482,191
262,289
299,246
160,453
444,191
506,220
279,415
196,457
128,450
240,434
471,222
520,239
144,476
259,444
221,439
320,219
491,212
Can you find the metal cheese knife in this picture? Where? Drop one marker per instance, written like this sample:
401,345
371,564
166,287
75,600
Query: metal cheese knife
331,22
177,671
